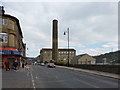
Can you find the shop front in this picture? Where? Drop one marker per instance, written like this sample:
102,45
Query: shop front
10,55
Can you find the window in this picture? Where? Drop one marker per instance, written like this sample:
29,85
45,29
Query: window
3,38
3,21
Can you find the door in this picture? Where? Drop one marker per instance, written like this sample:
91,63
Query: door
11,60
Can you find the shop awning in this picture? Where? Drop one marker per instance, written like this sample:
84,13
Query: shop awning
10,51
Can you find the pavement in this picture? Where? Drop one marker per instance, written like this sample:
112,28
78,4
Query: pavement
116,76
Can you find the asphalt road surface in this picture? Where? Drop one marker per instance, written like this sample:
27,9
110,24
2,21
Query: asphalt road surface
44,77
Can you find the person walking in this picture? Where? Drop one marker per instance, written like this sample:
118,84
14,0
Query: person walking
7,65
15,64
23,65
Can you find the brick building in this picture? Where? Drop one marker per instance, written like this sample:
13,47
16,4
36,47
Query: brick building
11,39
83,59
46,54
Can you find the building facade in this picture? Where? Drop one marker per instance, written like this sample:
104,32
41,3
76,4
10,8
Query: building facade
83,59
46,54
11,39
37,58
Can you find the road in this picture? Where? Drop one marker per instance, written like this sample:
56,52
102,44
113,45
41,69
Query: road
43,77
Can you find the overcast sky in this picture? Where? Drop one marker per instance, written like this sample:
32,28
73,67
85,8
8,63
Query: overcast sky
93,25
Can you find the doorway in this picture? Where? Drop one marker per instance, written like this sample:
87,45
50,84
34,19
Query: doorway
11,60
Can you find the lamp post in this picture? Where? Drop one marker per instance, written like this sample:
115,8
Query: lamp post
68,43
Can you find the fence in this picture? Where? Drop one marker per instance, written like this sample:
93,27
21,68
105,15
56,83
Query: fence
104,68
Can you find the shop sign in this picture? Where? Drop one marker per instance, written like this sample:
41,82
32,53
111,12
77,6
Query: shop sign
9,52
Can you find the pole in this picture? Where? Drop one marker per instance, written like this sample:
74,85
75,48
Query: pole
68,46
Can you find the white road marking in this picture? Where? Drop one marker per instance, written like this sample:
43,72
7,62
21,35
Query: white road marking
33,82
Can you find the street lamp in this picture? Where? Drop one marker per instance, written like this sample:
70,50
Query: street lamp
68,43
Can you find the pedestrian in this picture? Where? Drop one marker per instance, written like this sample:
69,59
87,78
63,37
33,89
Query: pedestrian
27,66
7,65
15,64
23,65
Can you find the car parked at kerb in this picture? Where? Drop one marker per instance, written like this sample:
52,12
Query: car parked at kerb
52,65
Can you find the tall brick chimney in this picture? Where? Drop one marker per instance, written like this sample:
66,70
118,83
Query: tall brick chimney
55,40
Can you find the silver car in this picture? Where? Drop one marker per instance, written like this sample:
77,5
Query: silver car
42,64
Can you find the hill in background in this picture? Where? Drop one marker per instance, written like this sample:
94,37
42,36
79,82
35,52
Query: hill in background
112,57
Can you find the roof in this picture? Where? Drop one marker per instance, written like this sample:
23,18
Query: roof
79,56
59,49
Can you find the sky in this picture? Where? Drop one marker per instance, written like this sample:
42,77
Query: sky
93,26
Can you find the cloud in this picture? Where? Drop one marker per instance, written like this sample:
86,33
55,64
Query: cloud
110,45
89,23
103,48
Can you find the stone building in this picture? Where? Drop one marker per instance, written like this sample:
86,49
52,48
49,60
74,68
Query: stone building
83,59
46,54
38,58
11,39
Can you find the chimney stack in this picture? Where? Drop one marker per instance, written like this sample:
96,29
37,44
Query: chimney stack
55,40
2,10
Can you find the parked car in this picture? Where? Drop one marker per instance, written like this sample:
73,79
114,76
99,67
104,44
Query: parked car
52,65
38,63
42,64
